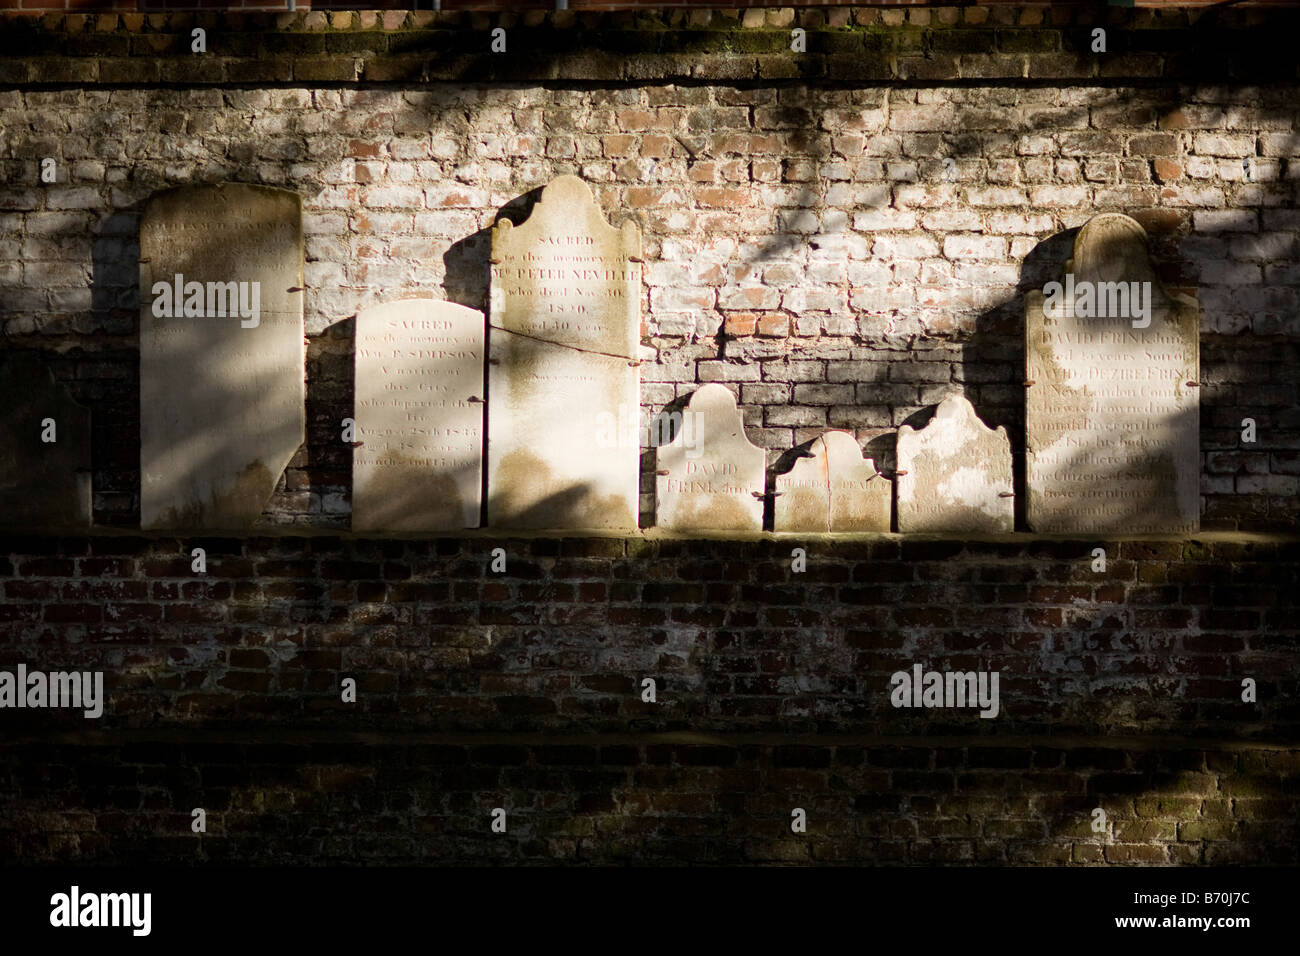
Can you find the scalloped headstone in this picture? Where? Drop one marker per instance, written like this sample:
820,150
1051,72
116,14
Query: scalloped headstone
710,475
835,489
954,475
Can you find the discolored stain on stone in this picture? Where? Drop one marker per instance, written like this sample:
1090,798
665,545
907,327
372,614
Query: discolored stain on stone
954,475
44,486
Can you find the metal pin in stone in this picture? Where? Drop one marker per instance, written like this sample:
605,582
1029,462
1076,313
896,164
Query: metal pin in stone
1028,382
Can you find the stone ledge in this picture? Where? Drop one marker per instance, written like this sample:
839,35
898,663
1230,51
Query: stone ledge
12,540
307,736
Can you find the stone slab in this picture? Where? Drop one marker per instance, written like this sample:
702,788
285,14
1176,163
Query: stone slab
834,490
1112,425
954,474
44,485
419,417
221,396
708,475
565,328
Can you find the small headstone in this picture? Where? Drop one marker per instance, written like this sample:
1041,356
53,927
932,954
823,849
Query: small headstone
419,417
835,489
563,383
44,485
710,475
221,353
1112,414
954,475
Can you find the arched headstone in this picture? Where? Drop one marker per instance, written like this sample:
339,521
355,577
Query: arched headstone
1112,414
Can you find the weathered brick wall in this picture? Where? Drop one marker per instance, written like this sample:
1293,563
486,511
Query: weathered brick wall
522,690
647,800
804,247
736,639
803,244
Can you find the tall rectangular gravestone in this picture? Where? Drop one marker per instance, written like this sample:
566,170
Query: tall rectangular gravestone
45,460
221,353
565,327
419,417
1112,417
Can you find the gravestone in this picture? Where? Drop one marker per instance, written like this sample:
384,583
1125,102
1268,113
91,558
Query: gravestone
44,485
419,417
708,475
954,475
835,489
221,353
1112,414
564,330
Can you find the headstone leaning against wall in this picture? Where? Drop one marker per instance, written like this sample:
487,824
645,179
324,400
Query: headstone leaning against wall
954,475
1112,414
419,417
45,458
710,476
565,327
221,353
834,489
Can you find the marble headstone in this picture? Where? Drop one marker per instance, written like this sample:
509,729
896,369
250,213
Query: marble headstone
221,353
1111,422
709,473
954,474
44,485
835,489
419,417
564,332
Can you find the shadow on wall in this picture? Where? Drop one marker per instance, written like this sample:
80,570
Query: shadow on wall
115,249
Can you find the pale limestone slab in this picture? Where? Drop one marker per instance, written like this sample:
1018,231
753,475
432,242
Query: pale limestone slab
1112,425
419,417
709,474
221,397
44,485
954,475
565,326
835,489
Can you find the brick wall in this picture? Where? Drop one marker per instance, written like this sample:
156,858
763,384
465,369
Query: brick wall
803,247
523,690
802,243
